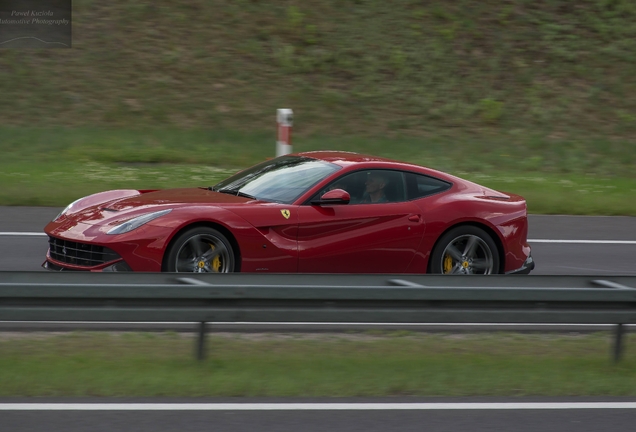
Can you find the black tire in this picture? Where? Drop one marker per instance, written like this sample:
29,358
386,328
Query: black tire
200,250
465,249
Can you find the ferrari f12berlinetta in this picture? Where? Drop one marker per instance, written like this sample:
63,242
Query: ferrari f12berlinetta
314,212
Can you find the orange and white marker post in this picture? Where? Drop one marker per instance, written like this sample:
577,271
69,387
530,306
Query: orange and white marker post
285,120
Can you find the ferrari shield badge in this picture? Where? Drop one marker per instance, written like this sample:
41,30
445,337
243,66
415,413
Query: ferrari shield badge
285,213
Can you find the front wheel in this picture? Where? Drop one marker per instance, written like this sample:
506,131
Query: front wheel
465,250
200,250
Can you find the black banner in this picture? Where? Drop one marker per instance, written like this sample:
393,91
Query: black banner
35,24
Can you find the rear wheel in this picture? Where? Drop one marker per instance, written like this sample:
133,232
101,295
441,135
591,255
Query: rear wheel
465,250
201,250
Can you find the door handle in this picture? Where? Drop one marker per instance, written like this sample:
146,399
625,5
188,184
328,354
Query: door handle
415,218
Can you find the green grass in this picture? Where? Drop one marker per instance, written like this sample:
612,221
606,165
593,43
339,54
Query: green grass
400,363
54,166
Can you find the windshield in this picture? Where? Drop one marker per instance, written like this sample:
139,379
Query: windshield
282,180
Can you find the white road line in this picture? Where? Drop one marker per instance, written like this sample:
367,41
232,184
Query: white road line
32,234
311,406
621,242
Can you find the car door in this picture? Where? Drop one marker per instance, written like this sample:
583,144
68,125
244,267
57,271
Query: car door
360,237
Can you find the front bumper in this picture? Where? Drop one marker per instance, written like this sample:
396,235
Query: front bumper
83,247
117,266
526,268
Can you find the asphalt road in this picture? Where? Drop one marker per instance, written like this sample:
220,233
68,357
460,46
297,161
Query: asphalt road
26,253
22,252
283,418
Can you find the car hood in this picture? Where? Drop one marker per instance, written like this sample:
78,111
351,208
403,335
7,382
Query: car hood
111,211
174,196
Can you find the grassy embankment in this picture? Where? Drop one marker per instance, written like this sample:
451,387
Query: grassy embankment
537,98
368,364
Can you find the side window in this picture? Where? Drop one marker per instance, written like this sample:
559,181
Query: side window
419,186
371,186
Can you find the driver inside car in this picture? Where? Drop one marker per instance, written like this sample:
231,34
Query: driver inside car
374,189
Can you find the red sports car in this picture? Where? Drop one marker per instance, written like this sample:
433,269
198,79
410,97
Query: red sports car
314,212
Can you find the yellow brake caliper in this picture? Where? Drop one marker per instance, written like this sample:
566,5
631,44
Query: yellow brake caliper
448,263
216,262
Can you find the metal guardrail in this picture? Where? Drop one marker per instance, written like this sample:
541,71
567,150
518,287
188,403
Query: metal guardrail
162,297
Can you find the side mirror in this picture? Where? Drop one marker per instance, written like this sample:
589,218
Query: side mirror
336,196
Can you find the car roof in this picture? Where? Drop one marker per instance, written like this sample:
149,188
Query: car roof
343,157
348,159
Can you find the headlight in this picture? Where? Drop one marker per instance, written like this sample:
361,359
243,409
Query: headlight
66,209
137,222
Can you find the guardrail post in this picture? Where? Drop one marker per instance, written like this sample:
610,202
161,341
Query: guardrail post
201,342
618,342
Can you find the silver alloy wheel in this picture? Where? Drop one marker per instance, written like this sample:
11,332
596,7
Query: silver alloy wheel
467,254
203,253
